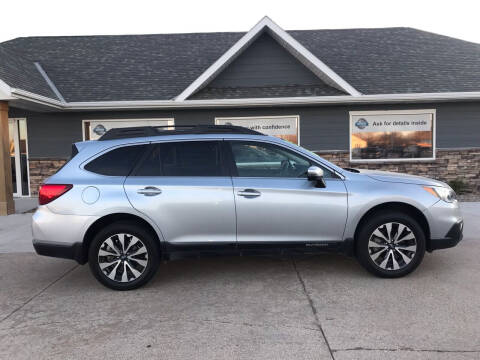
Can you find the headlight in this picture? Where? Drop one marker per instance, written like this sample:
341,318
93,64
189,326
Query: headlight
443,193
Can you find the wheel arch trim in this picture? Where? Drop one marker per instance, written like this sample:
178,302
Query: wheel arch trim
405,207
107,219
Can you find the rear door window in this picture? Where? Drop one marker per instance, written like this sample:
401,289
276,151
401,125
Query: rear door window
189,158
116,162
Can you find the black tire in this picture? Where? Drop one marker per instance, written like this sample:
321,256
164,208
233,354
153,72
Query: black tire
363,252
148,243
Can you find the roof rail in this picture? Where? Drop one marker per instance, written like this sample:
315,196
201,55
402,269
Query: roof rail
143,131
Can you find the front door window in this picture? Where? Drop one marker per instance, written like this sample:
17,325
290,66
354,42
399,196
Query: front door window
255,159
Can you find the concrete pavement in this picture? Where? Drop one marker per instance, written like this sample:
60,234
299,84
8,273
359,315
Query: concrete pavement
16,233
317,307
25,204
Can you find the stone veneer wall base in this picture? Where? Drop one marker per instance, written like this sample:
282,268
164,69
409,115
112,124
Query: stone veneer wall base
40,169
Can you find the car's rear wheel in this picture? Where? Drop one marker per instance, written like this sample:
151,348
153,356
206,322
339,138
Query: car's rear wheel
391,244
123,256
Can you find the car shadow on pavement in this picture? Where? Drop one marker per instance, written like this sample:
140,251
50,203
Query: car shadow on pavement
332,267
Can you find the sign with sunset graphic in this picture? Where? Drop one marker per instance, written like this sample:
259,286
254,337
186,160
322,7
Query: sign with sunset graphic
392,135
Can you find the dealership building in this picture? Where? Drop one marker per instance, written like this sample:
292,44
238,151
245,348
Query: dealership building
397,99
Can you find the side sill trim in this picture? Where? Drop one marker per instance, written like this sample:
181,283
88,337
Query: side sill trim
252,248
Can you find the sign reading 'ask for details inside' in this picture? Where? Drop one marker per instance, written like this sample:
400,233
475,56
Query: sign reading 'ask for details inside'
388,135
391,123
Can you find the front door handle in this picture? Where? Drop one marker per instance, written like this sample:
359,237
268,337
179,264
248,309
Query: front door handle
149,191
249,193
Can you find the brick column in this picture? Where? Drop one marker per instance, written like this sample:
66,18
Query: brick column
7,206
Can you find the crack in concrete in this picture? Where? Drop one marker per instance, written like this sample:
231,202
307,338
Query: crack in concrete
39,293
312,307
406,349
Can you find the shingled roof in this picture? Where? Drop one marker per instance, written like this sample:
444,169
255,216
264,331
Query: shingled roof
160,67
17,71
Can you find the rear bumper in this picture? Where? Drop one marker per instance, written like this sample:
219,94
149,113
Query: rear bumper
60,250
451,239
60,235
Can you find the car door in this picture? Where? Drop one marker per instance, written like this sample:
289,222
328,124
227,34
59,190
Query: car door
183,186
276,203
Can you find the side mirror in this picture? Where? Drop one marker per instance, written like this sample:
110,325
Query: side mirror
314,173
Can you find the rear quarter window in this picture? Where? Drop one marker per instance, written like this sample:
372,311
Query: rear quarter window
116,162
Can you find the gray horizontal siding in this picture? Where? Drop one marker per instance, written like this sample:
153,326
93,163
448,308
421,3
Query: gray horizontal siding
265,63
50,135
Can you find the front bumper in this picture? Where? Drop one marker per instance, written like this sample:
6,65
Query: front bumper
445,222
452,238
60,250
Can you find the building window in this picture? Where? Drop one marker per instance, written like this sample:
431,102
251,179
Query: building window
284,127
396,135
94,129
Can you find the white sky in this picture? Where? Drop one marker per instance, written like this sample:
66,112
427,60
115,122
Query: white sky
459,18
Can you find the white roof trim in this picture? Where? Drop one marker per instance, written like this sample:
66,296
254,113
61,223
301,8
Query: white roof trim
48,81
292,45
5,91
257,102
39,99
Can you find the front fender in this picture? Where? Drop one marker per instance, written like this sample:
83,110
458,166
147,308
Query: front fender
365,195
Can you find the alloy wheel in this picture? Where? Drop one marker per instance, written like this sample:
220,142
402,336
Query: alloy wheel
122,257
392,246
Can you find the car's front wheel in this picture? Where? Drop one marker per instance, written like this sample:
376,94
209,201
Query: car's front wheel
390,244
123,256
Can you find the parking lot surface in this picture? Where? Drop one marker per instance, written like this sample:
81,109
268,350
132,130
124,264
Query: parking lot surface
310,307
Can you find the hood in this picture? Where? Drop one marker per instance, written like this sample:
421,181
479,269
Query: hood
388,176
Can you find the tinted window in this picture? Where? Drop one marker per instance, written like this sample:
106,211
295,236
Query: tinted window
117,162
254,159
190,158
150,165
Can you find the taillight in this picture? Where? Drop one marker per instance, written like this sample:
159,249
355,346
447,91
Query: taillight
50,192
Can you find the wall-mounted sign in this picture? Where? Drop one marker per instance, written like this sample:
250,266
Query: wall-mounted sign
94,129
392,135
285,127
99,130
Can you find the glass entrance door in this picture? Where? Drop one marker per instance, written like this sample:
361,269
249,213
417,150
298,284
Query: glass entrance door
17,131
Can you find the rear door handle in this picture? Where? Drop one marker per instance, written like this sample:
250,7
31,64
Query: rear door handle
249,193
149,191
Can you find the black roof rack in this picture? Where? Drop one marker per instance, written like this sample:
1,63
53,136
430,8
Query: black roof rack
143,131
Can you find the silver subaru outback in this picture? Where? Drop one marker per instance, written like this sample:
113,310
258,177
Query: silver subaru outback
140,195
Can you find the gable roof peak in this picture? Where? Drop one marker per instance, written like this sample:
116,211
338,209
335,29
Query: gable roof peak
317,66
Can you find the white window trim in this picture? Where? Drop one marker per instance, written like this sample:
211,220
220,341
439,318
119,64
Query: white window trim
171,122
17,159
297,120
393,112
